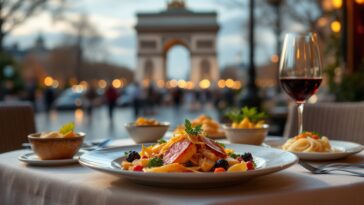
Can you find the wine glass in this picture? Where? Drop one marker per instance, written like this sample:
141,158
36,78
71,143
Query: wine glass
300,69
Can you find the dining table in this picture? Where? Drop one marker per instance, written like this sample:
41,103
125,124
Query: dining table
78,185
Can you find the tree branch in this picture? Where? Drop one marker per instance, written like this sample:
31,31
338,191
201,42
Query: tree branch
29,11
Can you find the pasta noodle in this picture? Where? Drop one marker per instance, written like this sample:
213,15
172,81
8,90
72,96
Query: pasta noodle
307,142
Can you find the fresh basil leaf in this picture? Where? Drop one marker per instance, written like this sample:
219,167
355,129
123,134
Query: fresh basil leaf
155,162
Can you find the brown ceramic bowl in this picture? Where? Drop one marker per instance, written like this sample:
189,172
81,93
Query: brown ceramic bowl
252,136
55,148
148,133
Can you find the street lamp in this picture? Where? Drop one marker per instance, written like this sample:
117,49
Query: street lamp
276,4
250,97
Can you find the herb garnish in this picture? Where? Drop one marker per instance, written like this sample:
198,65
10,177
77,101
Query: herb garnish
233,155
155,162
252,114
66,128
192,130
161,141
234,115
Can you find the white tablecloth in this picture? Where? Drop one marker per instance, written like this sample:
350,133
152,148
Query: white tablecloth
71,185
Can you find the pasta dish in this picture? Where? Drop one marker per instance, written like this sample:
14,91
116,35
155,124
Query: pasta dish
189,150
209,126
307,142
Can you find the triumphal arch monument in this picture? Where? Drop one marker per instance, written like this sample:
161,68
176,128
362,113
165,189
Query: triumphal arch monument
177,25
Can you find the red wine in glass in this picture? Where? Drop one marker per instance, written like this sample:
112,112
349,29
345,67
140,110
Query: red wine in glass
300,69
300,89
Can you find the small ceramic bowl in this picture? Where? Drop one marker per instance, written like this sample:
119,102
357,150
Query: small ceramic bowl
252,136
148,133
55,148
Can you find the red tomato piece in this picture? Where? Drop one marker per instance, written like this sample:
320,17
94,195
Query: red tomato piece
250,165
315,137
219,169
138,168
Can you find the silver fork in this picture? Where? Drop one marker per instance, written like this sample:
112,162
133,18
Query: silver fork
102,144
329,169
341,165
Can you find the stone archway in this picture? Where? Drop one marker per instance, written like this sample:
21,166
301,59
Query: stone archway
158,32
178,62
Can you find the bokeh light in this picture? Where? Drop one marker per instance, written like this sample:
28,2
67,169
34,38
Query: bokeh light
275,58
337,3
221,83
102,84
205,83
55,84
229,83
48,81
160,83
336,26
182,84
237,85
116,83
190,85
173,83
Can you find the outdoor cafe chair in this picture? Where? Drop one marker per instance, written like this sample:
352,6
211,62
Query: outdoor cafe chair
340,121
16,122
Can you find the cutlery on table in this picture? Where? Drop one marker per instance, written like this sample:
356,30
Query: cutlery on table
335,167
99,145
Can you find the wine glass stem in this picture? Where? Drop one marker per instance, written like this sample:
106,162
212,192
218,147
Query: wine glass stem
300,117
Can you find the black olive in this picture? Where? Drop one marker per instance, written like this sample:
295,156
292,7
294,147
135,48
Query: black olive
247,156
222,163
133,155
189,164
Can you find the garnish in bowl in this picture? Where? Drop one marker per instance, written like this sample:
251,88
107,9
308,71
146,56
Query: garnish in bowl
61,144
246,118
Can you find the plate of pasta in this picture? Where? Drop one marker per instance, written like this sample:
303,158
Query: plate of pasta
313,146
188,159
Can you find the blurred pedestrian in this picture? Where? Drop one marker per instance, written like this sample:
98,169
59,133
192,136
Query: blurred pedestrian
229,97
91,96
111,98
151,99
30,89
49,97
177,97
136,93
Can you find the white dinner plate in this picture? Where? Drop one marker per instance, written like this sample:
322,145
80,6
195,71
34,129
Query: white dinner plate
268,160
32,159
343,149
